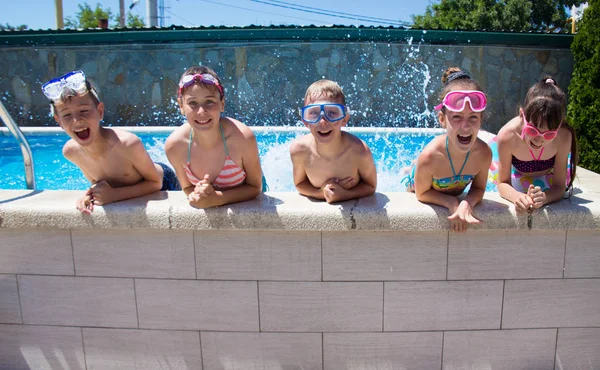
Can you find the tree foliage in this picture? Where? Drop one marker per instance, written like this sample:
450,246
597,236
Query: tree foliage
584,89
87,17
496,15
8,27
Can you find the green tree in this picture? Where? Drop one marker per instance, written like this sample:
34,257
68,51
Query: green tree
496,15
584,89
8,27
87,17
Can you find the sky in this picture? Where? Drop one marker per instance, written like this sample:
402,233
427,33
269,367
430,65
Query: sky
41,14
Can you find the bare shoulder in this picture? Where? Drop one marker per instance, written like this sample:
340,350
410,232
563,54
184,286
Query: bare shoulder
508,132
434,151
122,137
481,149
301,145
564,137
71,150
236,130
356,145
178,139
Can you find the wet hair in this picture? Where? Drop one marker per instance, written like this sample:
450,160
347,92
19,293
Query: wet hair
200,70
546,103
456,79
68,94
324,89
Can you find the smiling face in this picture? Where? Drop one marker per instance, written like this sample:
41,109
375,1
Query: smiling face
201,105
325,131
80,117
462,127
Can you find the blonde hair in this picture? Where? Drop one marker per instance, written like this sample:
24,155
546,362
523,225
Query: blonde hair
324,89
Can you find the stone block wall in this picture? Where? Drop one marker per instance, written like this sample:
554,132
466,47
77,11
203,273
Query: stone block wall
389,84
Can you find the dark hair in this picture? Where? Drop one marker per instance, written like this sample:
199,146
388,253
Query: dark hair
455,78
547,103
199,70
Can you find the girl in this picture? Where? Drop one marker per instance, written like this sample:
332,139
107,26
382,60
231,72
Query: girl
215,158
536,145
435,178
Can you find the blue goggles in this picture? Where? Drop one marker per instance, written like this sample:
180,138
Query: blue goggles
332,112
74,81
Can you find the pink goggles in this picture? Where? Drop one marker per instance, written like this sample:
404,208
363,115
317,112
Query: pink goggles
205,78
531,130
457,100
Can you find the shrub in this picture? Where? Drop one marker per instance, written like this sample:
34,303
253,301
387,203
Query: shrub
584,89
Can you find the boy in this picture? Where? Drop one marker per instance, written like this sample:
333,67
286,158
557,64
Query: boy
113,160
329,163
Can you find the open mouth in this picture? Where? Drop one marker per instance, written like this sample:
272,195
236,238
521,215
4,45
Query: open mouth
325,133
465,140
83,134
202,122
534,145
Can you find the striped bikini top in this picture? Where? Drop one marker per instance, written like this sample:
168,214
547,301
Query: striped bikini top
231,174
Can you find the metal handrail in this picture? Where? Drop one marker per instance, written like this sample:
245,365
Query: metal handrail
25,149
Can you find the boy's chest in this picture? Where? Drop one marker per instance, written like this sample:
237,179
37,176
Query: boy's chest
320,170
115,170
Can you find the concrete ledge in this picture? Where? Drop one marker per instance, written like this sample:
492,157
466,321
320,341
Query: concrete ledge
290,211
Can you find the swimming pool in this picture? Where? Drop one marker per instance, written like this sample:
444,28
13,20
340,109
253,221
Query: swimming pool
393,151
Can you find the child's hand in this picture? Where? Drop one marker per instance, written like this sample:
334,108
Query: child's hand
203,189
524,201
537,196
461,217
333,192
85,204
348,182
101,193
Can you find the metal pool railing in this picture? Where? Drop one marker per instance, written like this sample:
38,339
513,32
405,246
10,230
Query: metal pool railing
23,144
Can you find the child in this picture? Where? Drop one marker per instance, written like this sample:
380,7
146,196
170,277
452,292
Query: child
113,160
215,158
328,163
534,147
434,178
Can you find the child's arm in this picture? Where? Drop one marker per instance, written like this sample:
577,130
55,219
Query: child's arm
249,190
102,193
424,191
559,180
521,201
83,204
176,151
301,181
345,189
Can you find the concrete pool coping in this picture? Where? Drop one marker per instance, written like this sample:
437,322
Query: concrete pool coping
290,211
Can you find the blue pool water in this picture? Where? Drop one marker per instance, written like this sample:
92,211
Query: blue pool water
393,153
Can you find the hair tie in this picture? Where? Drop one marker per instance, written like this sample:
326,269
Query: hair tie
457,76
549,81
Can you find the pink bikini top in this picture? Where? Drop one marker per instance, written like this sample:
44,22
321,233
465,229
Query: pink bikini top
231,174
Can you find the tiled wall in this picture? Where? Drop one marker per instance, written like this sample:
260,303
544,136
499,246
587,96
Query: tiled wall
151,299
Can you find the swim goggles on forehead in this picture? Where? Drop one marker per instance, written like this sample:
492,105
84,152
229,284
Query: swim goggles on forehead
332,112
75,81
531,130
457,100
205,78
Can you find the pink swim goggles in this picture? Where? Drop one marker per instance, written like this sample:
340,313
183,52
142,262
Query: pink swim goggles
457,100
205,78
531,130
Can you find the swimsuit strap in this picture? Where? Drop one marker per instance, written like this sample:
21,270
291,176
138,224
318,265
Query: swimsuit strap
450,159
224,142
540,156
190,144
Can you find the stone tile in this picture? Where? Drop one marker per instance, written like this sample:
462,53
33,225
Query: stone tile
77,301
25,347
497,254
583,254
123,349
134,253
578,349
382,350
258,255
500,349
442,305
394,256
317,307
551,303
197,305
10,308
36,251
261,351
